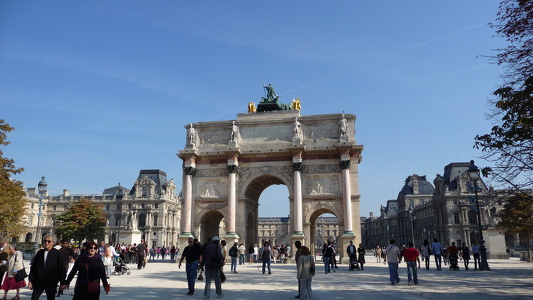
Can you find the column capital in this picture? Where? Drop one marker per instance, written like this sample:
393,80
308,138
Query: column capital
232,168
297,166
189,170
345,164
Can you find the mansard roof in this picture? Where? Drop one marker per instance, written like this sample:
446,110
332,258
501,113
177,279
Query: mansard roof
452,171
116,190
424,187
157,176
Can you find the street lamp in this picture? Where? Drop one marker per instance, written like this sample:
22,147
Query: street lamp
42,191
473,174
411,219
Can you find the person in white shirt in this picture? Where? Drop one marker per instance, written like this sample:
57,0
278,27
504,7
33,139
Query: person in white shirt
393,257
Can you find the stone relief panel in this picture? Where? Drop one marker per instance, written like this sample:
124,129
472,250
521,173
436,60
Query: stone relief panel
266,133
214,136
212,188
317,185
323,130
221,172
314,169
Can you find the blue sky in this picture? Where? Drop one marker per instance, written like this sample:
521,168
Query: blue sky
100,90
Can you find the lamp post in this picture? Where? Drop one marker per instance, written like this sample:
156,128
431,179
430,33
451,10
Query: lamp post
411,218
42,191
473,174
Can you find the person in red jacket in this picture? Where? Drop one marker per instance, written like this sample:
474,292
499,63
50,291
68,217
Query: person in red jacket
412,256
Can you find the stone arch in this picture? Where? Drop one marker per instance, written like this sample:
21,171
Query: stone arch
210,225
312,218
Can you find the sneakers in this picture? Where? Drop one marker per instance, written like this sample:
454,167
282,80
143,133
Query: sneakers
190,293
221,295
410,283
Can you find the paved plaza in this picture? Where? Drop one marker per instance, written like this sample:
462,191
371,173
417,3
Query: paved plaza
508,279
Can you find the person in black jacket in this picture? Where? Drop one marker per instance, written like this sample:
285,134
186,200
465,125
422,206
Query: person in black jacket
47,270
91,270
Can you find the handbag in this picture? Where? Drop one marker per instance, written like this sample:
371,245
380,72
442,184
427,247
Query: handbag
92,286
200,277
21,274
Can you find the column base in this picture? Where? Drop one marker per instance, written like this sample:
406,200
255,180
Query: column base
348,233
298,234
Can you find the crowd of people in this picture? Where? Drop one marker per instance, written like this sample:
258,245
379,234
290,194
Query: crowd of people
56,264
451,255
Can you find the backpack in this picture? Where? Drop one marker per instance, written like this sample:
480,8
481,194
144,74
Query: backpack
233,251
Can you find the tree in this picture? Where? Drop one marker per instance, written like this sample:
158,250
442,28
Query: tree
83,220
517,218
515,24
12,196
509,146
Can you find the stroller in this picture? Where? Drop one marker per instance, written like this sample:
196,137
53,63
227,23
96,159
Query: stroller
120,266
454,262
354,264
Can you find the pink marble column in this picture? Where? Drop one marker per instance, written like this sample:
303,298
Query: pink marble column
186,214
346,194
298,206
232,197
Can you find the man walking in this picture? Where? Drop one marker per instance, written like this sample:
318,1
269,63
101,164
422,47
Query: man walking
212,263
393,257
412,256
475,252
266,254
141,254
47,270
437,250
193,256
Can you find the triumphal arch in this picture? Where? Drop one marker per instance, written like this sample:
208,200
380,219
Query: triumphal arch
227,164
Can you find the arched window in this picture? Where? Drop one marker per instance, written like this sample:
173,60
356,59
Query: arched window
142,220
472,217
144,192
28,237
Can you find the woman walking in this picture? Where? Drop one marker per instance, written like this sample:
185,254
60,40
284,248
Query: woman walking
466,255
90,269
306,271
361,256
14,264
426,252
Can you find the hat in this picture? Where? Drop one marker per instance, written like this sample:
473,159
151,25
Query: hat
215,238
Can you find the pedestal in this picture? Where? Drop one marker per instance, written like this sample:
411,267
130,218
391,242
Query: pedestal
345,239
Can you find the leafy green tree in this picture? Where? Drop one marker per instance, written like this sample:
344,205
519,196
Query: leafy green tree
517,218
83,220
12,196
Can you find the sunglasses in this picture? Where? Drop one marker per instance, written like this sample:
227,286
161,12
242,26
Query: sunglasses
92,248
47,241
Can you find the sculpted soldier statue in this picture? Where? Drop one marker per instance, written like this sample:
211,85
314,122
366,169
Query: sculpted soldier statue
191,134
271,94
343,126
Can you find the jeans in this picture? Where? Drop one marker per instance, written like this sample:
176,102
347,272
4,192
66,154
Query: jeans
326,264
438,261
412,276
477,261
241,259
305,289
426,258
191,268
266,262
234,264
211,274
393,271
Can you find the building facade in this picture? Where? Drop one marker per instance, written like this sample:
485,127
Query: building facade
149,210
445,210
